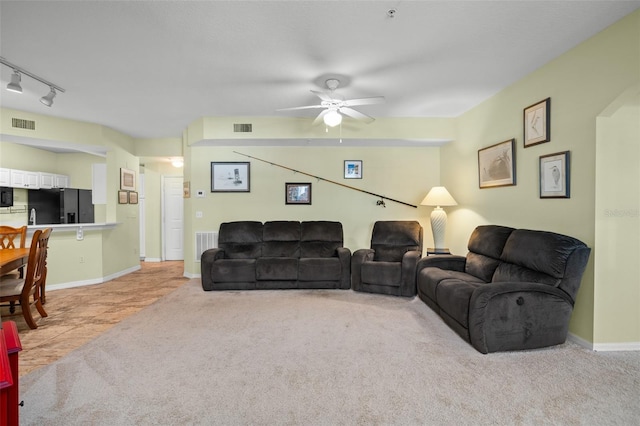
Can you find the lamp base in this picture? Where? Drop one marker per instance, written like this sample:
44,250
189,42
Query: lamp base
438,227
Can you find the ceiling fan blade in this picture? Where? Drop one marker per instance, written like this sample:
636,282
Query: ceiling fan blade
364,101
356,114
322,96
320,117
300,107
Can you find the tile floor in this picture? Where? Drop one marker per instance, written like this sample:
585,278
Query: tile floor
79,314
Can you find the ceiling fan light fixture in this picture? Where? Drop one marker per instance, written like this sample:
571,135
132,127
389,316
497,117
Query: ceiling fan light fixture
14,86
48,99
332,118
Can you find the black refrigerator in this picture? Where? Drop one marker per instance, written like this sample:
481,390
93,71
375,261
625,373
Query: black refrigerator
56,206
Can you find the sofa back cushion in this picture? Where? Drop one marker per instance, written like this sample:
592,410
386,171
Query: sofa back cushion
538,256
241,240
392,239
281,239
485,248
320,238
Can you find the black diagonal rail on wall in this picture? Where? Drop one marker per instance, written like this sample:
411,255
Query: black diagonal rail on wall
382,197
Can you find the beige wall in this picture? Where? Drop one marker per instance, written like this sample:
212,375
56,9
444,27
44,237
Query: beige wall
581,83
617,270
405,174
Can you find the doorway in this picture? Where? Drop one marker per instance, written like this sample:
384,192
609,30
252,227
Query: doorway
172,218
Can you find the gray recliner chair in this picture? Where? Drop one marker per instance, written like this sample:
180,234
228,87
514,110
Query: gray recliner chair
389,266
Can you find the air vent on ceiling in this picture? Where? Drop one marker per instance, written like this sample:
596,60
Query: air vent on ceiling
20,123
242,128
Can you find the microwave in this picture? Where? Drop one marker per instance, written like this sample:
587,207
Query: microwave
6,196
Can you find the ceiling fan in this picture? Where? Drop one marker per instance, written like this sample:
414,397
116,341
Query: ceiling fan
335,106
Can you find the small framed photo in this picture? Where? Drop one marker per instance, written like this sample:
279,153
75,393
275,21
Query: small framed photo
497,165
353,169
123,197
297,193
230,177
555,176
127,180
537,123
133,197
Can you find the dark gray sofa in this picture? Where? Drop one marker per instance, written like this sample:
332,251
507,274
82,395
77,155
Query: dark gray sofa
389,266
514,290
277,255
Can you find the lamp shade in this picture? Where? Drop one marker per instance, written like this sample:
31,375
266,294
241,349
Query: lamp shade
438,196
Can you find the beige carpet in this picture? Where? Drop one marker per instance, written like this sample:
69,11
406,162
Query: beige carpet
321,357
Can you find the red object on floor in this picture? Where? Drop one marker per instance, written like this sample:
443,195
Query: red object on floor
9,390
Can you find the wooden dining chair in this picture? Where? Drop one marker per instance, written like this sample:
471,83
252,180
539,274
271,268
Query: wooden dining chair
8,237
27,291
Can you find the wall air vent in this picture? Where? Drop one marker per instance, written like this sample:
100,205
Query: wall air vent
20,123
242,128
205,241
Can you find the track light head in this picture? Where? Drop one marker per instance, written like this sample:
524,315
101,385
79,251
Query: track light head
48,99
14,86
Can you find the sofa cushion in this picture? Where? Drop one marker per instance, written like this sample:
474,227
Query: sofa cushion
430,278
241,240
489,240
277,268
319,269
381,273
234,270
480,266
540,251
509,272
320,238
453,296
281,239
392,239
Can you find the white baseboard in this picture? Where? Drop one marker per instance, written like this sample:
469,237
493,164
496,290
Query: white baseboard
52,287
152,259
604,347
190,275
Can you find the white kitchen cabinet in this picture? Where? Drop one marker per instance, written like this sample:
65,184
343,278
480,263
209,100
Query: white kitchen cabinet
5,177
61,181
47,180
52,180
25,179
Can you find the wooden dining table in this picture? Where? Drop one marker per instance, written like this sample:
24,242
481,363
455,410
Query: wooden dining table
11,259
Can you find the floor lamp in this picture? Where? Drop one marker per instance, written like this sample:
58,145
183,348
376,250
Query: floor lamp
439,196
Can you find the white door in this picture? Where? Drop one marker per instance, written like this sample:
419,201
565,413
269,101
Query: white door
142,212
173,218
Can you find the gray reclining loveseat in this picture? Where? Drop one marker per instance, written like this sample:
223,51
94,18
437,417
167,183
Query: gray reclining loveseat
277,255
514,290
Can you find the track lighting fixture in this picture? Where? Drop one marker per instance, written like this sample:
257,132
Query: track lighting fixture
48,99
14,86
16,78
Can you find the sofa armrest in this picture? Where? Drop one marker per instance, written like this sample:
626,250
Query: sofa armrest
507,316
357,259
344,254
408,280
206,263
447,262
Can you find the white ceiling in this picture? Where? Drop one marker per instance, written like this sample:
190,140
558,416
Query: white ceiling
149,68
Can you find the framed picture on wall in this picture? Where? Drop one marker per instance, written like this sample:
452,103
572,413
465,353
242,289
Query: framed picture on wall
555,175
123,197
133,197
497,165
353,169
127,180
297,193
230,177
537,123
